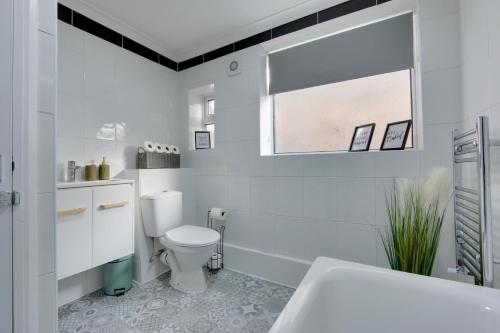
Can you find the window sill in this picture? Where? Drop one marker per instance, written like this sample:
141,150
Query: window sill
342,152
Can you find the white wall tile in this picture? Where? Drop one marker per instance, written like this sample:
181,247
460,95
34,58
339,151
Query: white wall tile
356,200
432,8
238,158
262,194
99,68
45,152
288,165
259,165
99,119
440,42
47,315
290,236
356,242
320,198
70,39
319,239
46,233
289,196
396,164
441,98
211,191
69,149
95,150
47,72
244,122
47,17
70,115
238,194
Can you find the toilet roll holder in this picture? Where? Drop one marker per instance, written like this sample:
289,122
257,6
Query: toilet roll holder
216,261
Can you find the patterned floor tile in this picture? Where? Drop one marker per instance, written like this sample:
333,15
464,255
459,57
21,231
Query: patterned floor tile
232,303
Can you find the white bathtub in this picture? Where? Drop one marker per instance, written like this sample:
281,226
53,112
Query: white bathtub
343,297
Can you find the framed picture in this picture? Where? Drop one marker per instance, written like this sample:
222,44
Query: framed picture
202,140
362,137
395,135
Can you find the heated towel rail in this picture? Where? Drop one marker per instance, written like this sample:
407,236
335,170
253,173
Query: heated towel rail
472,203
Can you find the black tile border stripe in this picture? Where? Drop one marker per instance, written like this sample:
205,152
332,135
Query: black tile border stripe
86,24
80,21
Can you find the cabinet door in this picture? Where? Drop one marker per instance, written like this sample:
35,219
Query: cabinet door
113,230
74,231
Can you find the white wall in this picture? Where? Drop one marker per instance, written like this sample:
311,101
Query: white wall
45,166
110,101
286,210
480,42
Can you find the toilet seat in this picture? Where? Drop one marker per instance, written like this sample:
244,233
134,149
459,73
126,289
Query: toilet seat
192,236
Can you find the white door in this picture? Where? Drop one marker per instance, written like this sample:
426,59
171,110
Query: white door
6,40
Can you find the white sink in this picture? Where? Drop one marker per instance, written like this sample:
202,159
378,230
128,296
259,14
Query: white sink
343,297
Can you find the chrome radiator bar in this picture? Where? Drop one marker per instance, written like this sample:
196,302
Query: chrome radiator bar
472,206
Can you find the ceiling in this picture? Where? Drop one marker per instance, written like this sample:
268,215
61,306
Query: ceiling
190,27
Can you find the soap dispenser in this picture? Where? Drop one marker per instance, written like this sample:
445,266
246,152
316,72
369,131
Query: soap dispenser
104,170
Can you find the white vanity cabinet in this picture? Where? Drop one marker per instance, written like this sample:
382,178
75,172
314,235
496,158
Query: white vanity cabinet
113,231
74,231
95,224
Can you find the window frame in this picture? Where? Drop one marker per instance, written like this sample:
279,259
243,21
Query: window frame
413,87
208,119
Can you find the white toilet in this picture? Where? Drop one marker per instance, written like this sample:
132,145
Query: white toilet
188,247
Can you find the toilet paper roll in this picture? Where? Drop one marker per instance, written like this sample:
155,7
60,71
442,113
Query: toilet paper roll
218,214
141,150
215,261
159,148
148,146
166,148
174,149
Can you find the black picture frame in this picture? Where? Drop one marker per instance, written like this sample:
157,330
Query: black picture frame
197,144
372,130
405,135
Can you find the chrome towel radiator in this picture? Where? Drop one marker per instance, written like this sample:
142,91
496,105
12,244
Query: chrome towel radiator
472,203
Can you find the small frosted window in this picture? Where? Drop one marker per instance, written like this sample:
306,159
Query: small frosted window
323,118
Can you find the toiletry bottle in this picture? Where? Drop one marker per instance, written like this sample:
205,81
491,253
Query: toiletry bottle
104,170
90,172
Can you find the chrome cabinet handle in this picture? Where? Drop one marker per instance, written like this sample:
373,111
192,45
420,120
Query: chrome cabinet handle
69,212
113,205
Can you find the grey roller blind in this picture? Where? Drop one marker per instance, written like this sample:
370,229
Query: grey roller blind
381,47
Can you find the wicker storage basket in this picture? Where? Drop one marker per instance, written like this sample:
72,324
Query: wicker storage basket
147,160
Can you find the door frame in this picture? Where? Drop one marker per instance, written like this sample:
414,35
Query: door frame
25,260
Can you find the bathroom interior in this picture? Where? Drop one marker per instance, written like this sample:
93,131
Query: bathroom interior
284,166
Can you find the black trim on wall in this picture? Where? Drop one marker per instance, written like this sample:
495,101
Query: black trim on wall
167,62
139,49
86,24
190,62
64,13
344,8
217,53
80,21
296,25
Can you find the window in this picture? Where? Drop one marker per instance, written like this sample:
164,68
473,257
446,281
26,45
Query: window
321,90
201,113
209,111
323,118
209,117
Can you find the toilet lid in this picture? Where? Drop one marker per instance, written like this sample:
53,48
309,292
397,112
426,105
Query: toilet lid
189,235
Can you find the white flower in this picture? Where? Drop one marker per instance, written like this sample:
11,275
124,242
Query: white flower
437,187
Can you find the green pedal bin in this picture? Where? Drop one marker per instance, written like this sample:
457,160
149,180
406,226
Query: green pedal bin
118,276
